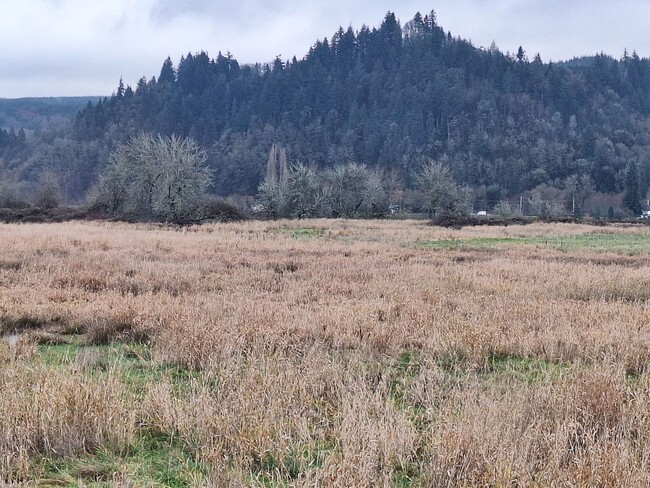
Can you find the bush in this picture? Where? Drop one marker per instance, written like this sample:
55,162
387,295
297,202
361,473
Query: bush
212,208
11,196
40,214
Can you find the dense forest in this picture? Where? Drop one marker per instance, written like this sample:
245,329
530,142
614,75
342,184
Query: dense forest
40,113
392,98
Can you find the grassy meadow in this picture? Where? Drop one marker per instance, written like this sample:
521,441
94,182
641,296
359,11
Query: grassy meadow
324,353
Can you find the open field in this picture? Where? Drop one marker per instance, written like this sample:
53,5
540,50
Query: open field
324,353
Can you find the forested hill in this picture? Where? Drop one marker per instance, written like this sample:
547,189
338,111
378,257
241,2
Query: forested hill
34,114
391,97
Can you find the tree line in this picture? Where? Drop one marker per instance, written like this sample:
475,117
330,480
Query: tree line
385,100
353,190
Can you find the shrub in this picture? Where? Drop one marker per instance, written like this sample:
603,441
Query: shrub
213,208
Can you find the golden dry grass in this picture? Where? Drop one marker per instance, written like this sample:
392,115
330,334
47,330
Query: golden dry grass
326,353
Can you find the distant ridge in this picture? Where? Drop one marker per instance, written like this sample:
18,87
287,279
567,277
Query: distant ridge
39,113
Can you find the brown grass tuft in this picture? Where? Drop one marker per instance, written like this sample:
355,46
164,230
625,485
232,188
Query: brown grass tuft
44,413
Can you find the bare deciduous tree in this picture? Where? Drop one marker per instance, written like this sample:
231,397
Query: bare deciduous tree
440,195
273,193
155,177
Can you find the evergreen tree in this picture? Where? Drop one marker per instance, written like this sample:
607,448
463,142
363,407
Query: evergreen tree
521,55
167,73
120,89
632,198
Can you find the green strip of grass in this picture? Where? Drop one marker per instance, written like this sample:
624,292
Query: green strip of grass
617,243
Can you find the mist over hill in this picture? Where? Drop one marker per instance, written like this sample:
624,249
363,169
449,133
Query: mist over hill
390,97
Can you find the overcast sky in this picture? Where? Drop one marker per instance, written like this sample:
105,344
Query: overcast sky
83,47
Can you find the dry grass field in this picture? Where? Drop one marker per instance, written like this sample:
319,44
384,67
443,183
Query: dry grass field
324,353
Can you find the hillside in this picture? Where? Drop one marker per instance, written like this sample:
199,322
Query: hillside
40,113
389,97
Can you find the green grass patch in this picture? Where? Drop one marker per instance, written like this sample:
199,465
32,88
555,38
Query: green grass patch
90,359
617,243
401,374
407,477
456,366
271,471
300,232
472,243
138,376
155,460
65,355
132,363
521,369
165,461
100,469
504,367
307,233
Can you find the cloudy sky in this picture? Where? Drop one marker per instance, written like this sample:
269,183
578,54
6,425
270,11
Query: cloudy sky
83,47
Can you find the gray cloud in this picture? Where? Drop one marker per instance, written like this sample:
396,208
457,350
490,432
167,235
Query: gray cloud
558,29
220,12
73,47
166,10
